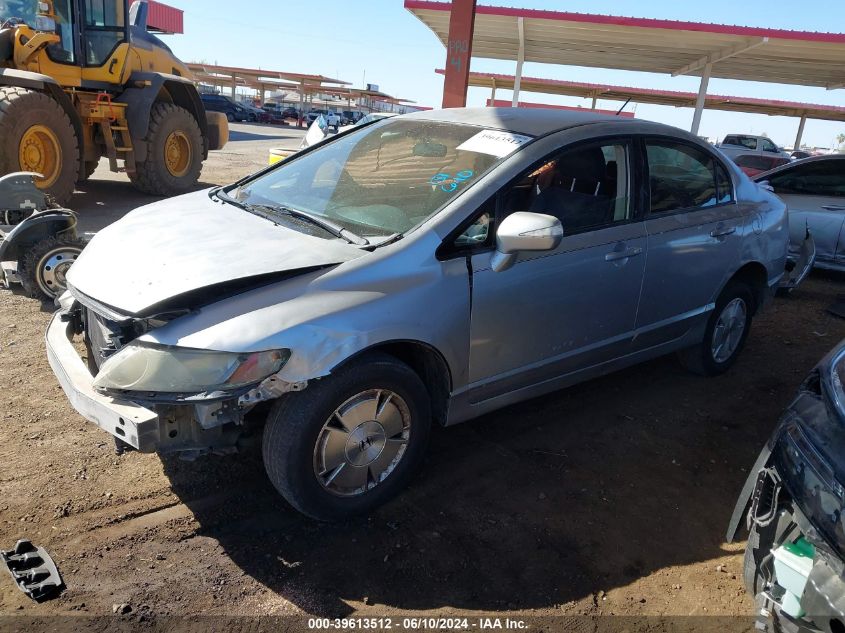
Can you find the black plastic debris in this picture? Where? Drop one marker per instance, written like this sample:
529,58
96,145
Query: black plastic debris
33,570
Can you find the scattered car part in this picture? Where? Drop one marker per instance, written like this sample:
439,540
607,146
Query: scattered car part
801,266
794,503
33,570
38,248
366,287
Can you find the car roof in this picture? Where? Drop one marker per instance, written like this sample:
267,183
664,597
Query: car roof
802,161
531,121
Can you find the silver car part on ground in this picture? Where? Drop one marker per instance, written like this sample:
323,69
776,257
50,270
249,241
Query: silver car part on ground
594,302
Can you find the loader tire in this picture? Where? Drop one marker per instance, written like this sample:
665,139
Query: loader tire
174,152
88,168
37,135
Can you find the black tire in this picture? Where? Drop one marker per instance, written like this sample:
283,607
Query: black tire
296,421
21,110
230,117
699,359
34,272
153,176
88,168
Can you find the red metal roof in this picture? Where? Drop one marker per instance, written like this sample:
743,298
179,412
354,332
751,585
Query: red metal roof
650,23
164,18
648,45
659,97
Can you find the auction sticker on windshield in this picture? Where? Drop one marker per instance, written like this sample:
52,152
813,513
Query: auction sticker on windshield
494,142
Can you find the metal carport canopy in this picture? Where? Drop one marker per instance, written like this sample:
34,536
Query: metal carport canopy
647,45
771,107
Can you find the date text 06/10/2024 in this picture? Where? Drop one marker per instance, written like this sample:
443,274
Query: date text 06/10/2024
415,624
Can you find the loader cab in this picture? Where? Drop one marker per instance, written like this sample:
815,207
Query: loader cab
91,32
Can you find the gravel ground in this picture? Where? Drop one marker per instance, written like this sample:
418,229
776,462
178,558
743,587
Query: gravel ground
611,497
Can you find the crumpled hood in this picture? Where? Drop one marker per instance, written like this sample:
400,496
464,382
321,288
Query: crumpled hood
190,242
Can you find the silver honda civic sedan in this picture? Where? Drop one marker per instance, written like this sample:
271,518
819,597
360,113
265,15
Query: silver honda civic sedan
424,269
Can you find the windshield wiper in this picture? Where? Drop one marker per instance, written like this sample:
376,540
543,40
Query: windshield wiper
323,223
262,209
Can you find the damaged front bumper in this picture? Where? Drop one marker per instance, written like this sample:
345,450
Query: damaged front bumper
146,424
136,425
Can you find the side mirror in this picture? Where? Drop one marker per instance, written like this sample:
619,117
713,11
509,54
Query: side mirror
524,231
765,185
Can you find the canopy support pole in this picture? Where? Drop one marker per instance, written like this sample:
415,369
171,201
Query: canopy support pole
234,83
301,116
797,145
593,107
493,94
702,94
520,60
458,53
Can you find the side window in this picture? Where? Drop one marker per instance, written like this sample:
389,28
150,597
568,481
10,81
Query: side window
584,187
681,177
61,51
768,146
818,178
104,30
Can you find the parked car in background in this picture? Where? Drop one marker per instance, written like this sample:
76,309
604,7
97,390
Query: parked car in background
220,103
736,145
793,504
300,290
350,117
369,118
814,191
332,120
255,114
799,154
753,164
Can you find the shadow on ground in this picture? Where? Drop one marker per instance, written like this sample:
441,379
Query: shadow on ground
536,505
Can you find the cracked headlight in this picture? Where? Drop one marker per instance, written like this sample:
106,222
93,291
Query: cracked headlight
168,369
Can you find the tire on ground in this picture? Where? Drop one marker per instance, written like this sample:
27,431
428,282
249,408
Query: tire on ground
88,168
153,175
699,358
31,266
296,421
20,111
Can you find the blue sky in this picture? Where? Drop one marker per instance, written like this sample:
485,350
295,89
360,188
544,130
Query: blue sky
380,40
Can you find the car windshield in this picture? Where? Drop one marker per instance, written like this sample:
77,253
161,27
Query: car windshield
382,179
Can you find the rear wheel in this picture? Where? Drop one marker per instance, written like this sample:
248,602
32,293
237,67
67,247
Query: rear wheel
174,152
37,135
726,332
45,265
348,442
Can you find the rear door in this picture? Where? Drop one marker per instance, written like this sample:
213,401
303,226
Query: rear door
814,192
694,231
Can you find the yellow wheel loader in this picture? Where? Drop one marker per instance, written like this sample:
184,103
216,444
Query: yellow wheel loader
83,79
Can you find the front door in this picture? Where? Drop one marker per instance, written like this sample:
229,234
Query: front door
555,312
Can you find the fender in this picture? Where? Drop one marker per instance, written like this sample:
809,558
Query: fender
144,89
48,85
40,225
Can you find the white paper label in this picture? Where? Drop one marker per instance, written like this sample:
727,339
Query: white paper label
494,142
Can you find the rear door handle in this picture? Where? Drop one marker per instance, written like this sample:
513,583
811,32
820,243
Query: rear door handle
722,232
613,256
833,207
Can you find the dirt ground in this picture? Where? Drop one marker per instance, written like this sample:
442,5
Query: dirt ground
611,497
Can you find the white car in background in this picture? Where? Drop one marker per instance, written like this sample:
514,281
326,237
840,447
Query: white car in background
369,118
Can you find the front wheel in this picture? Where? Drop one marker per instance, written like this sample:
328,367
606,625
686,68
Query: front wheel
726,332
174,152
45,265
348,442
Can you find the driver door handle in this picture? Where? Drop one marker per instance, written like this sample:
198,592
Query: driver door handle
722,231
613,256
